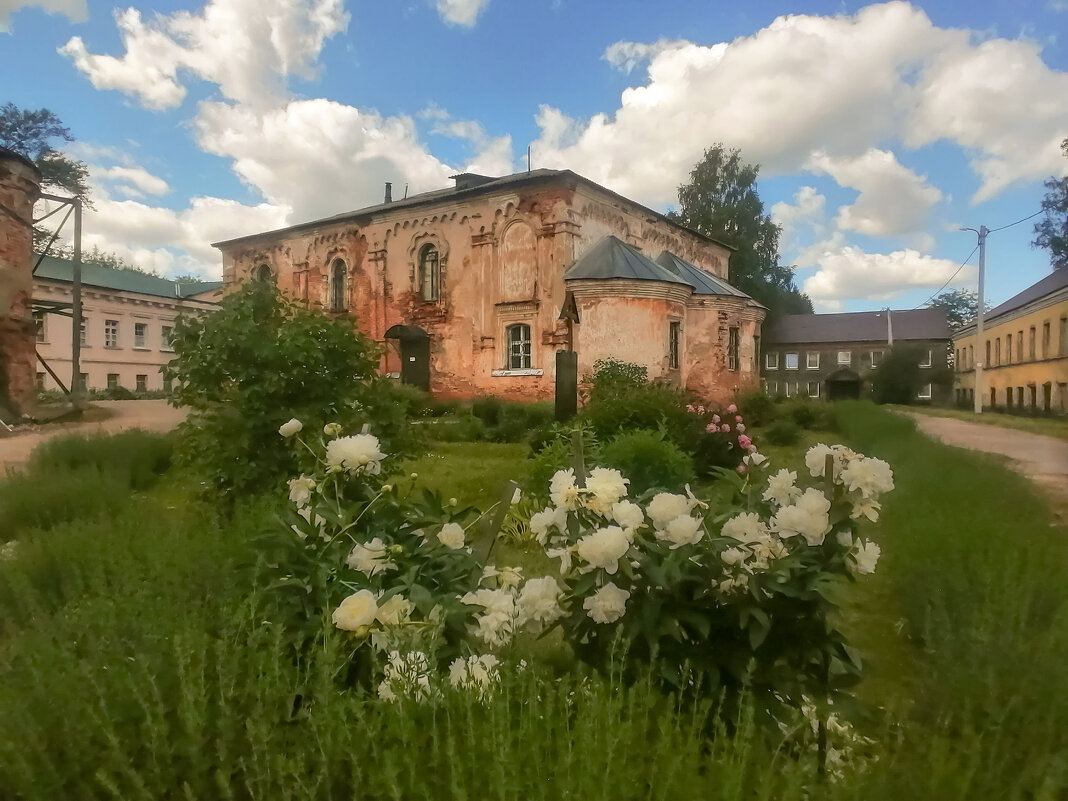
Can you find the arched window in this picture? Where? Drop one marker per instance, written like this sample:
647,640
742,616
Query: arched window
429,273
262,273
518,347
337,286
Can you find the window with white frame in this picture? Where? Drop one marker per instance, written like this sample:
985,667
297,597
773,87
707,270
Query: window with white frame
771,361
140,329
141,382
927,358
813,389
925,392
113,380
39,321
876,357
845,357
791,361
518,337
165,334
812,360
111,334
732,348
81,333
786,388
771,387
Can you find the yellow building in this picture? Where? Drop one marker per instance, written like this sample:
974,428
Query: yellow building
1024,352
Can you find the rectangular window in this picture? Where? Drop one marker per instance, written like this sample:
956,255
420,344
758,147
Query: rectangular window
165,337
1031,344
39,322
113,380
142,383
845,357
997,353
1008,349
674,335
925,392
1045,340
111,333
771,387
732,348
771,361
1062,337
986,361
876,357
812,360
519,347
168,384
791,361
813,389
786,388
81,333
1019,346
140,329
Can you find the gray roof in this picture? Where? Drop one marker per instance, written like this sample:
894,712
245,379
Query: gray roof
870,326
468,185
613,258
703,282
1058,279
98,275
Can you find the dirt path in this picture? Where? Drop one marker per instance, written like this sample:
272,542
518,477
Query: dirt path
150,415
1042,459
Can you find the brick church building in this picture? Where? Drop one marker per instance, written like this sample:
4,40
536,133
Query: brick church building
473,289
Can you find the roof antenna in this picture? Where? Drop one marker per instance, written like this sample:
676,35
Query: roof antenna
405,192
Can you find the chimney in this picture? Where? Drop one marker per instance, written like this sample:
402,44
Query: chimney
389,193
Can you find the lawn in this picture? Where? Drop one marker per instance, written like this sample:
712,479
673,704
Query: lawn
138,659
1048,426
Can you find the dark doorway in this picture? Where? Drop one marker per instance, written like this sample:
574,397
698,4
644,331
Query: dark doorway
414,345
843,384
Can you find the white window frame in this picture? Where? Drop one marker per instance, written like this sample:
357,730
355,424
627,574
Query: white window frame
526,356
809,359
771,361
928,362
111,334
166,332
812,384
874,357
787,361
40,320
139,385
734,345
847,361
142,338
925,392
786,388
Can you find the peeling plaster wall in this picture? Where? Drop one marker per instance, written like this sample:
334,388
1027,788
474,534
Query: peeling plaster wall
19,187
502,257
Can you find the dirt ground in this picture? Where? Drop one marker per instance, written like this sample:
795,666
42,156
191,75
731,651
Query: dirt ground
150,415
1042,459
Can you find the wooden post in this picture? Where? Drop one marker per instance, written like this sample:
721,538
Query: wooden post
566,385
494,522
821,734
578,461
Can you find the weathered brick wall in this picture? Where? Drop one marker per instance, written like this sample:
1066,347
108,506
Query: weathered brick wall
19,187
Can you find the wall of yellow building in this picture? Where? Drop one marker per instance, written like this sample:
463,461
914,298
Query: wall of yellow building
1039,373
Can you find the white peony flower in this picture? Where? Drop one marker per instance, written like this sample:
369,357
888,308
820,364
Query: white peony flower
397,609
300,490
844,538
604,487
370,558
564,555
782,488
628,514
290,429
356,612
563,491
332,429
452,536
539,601
683,530
871,477
607,605
869,509
516,496
405,676
866,556
733,556
603,548
319,523
746,527
496,623
505,577
754,459
475,673
541,522
816,459
666,506
355,454
807,516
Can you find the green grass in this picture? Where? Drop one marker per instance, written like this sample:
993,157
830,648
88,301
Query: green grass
475,473
1048,426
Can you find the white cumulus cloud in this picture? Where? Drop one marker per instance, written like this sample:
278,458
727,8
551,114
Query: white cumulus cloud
132,181
74,10
461,12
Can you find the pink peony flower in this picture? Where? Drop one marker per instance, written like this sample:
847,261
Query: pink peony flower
745,441
725,428
741,468
732,409
711,427
715,418
737,418
740,428
689,408
700,409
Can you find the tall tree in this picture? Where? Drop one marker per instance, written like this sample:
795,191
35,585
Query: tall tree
961,306
1052,232
31,134
721,201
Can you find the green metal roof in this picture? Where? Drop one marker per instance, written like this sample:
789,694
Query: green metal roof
703,283
614,258
122,280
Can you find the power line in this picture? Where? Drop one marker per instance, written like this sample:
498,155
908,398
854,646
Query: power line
1025,219
951,277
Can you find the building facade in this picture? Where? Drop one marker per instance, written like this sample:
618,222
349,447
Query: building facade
127,320
831,356
473,289
1024,352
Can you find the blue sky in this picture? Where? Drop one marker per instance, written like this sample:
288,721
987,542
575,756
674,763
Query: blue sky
880,129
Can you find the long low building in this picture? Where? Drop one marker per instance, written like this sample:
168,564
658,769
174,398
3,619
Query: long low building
1024,352
127,320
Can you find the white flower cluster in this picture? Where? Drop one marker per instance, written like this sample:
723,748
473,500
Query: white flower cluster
360,612
360,453
476,673
864,477
406,676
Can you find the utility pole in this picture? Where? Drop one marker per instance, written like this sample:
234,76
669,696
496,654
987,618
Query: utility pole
980,345
77,390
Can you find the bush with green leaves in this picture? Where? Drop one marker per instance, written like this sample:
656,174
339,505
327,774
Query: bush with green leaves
899,377
760,408
610,376
259,360
783,432
649,461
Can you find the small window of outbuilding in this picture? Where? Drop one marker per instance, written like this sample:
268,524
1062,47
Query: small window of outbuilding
674,337
262,272
732,348
338,275
429,273
519,347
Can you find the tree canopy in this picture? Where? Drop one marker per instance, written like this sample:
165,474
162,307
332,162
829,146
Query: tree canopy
1052,231
31,134
961,306
721,201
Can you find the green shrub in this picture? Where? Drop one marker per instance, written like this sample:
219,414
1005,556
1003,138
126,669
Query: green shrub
760,408
136,457
811,415
643,407
557,453
518,421
612,375
456,428
438,408
415,401
42,500
487,409
649,461
783,432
